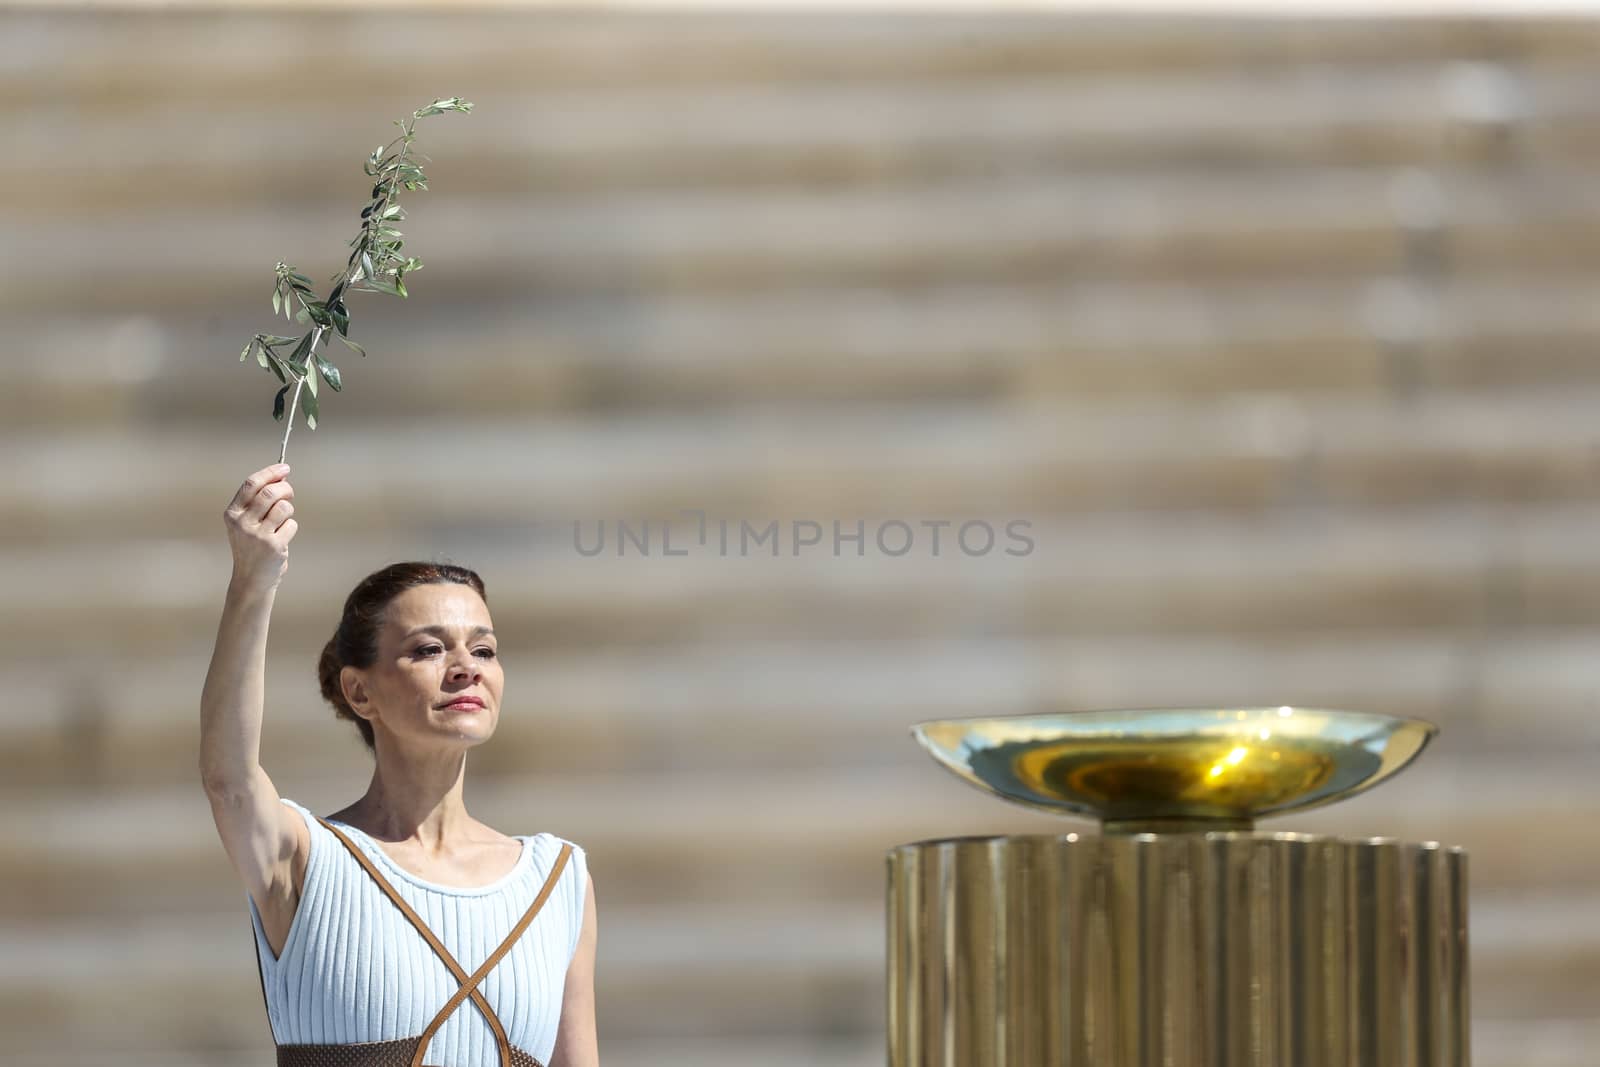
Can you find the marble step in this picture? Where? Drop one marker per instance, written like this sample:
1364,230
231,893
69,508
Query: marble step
1023,229
819,833
1100,351
691,707
1460,569
1353,105
1036,458
573,47
538,141
677,971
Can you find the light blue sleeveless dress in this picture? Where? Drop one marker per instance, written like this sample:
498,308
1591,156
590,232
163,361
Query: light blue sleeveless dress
363,980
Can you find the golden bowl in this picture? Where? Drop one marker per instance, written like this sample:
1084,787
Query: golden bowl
1161,770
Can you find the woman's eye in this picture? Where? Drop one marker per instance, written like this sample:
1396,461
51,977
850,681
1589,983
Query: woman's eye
423,650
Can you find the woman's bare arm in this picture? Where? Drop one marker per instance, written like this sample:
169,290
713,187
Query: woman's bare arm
576,1043
234,694
262,836
260,525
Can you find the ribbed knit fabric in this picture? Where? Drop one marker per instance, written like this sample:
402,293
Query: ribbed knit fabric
353,969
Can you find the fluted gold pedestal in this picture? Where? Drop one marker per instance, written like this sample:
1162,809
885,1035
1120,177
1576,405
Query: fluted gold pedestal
1181,937
1177,950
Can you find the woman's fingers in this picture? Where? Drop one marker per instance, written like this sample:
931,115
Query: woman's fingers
277,514
253,485
270,496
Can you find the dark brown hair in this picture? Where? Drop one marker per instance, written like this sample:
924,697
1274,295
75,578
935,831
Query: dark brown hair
355,642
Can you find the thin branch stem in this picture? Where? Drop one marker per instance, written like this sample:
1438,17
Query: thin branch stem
294,401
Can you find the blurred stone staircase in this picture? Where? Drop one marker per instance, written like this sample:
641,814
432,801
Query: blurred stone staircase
1282,335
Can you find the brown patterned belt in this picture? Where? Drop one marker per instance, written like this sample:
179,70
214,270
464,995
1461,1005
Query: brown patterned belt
407,1051
401,1053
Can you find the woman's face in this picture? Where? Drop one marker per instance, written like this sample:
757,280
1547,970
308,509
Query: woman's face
436,647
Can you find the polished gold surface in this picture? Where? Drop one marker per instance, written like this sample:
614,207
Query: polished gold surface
1176,769
1177,950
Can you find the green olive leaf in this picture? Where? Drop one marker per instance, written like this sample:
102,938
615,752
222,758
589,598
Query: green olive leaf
298,357
330,374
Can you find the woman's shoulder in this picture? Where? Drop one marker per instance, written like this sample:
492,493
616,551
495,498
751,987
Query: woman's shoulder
571,889
547,848
311,817
552,843
317,824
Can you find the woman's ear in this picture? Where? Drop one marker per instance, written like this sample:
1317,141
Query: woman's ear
353,683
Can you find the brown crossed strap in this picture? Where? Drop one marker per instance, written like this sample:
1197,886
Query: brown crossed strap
469,984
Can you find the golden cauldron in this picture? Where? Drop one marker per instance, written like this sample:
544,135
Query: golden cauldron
1179,936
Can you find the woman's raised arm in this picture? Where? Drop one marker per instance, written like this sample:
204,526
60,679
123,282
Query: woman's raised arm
262,836
260,526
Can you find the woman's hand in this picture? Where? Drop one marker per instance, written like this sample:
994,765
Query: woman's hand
260,527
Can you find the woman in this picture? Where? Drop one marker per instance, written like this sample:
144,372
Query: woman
376,926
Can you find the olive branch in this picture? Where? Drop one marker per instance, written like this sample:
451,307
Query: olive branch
375,266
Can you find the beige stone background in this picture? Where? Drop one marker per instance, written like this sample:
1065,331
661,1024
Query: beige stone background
1284,334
